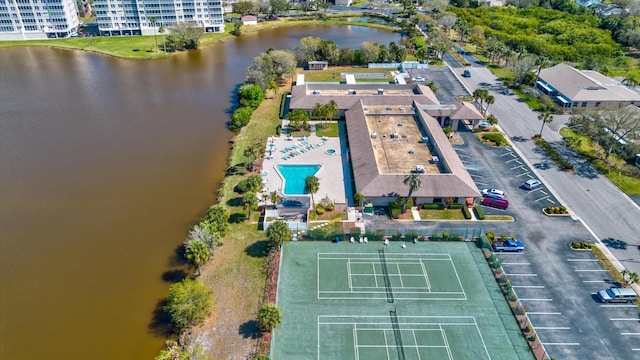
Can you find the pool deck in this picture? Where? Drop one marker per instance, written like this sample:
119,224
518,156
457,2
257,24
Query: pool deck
331,175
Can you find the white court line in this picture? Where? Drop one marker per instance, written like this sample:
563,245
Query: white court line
630,334
349,275
386,344
521,274
635,349
516,263
532,299
543,313
426,276
587,270
562,344
624,319
446,342
526,173
400,275
355,341
551,328
542,198
528,286
375,276
583,260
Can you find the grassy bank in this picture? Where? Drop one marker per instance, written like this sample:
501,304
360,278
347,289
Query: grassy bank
144,48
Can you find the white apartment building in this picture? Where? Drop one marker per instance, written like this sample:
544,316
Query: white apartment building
134,17
37,19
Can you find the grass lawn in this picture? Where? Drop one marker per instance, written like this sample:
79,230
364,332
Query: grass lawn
502,73
445,214
498,217
533,102
327,129
629,184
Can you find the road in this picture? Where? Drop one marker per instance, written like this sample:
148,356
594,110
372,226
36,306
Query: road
610,215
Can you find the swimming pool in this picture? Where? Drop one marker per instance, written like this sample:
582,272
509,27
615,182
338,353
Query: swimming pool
294,176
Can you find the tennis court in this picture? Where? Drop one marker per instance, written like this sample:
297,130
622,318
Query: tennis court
431,300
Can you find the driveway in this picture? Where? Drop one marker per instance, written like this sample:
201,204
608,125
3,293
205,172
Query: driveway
611,216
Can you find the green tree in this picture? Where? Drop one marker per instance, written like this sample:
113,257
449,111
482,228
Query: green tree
184,36
298,117
277,233
197,253
154,21
358,198
249,203
489,100
250,95
274,197
172,351
188,303
237,28
369,52
269,316
331,109
546,118
318,110
279,6
254,183
414,183
432,85
312,185
218,218
204,233
240,118
243,7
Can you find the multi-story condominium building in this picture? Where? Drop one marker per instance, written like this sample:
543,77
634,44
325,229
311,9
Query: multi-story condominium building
140,17
37,19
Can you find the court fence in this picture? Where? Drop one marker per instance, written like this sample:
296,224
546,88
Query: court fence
336,232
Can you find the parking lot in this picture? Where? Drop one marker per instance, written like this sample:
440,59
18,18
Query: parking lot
448,85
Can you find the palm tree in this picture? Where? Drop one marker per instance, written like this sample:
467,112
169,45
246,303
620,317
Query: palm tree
358,198
414,182
249,202
269,316
479,95
154,21
197,253
275,197
312,185
541,61
277,233
489,100
546,118
318,110
330,109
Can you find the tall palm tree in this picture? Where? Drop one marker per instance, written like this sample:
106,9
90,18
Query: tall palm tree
546,118
332,108
197,253
249,203
154,21
312,185
541,61
414,182
489,100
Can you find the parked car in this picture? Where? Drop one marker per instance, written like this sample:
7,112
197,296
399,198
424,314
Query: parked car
418,78
532,184
495,202
467,73
509,245
619,295
494,193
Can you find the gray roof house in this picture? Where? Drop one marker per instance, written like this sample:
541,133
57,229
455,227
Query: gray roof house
573,88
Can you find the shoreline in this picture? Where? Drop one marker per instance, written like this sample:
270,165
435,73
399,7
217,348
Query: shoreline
138,46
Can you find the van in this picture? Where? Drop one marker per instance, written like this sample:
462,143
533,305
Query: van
495,202
616,295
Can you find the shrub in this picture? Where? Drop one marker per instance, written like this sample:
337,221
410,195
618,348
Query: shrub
240,118
396,236
479,212
491,236
496,138
313,216
455,206
412,235
431,206
466,213
329,207
395,212
319,209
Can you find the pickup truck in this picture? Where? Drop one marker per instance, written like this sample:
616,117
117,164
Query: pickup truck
510,245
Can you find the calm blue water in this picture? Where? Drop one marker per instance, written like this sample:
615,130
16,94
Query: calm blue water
294,177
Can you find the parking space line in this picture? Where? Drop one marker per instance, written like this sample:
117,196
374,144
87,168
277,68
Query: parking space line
508,153
543,313
589,270
518,167
562,344
516,263
624,319
516,159
596,281
630,334
552,328
527,173
542,198
521,274
536,299
619,305
594,260
528,286
509,253
551,201
635,349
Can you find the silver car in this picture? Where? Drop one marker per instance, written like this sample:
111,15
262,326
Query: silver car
532,184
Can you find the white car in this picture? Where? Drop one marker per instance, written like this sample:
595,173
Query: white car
418,78
532,184
493,193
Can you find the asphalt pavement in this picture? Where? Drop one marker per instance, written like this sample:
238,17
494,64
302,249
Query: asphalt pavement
611,217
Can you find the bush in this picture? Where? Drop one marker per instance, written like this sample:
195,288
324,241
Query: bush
466,213
329,207
491,236
497,138
319,209
396,212
313,215
479,212
432,206
455,206
240,118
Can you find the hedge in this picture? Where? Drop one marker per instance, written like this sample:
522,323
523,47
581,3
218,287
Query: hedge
479,212
466,213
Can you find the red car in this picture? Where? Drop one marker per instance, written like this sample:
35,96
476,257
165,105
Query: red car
495,202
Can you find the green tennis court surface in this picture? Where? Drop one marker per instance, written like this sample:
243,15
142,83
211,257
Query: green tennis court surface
431,300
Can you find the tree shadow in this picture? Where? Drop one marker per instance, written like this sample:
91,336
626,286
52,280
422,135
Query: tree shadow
237,169
160,324
542,166
237,218
236,201
519,139
174,276
178,258
615,243
258,249
250,330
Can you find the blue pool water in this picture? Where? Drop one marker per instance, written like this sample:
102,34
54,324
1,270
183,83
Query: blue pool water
294,177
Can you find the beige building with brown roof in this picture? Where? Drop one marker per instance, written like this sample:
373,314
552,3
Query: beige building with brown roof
394,131
573,88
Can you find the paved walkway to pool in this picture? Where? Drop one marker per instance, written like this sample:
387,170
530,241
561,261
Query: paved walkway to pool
331,175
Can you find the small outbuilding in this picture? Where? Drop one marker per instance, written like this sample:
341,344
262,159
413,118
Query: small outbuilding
249,20
317,65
